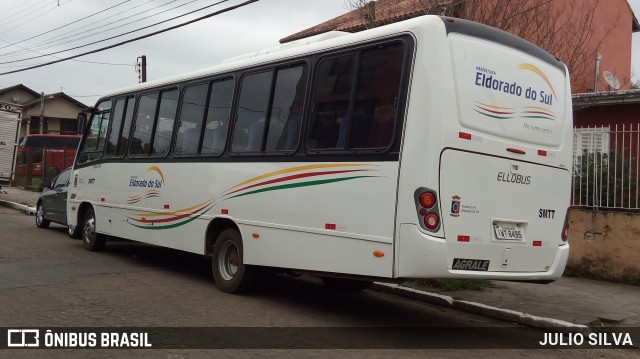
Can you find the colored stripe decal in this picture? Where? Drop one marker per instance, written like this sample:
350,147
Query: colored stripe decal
171,225
488,115
178,211
293,177
300,184
170,219
297,169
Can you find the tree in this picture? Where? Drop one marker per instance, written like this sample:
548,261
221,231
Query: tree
562,28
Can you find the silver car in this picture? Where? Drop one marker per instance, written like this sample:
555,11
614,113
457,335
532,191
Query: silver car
52,203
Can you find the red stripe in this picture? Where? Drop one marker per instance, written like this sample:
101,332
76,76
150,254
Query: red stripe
288,178
496,112
171,219
464,238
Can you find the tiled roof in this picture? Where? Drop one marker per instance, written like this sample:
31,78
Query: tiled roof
386,12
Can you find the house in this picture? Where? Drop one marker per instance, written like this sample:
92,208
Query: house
603,28
58,110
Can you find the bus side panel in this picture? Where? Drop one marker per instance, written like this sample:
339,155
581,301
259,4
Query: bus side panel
314,216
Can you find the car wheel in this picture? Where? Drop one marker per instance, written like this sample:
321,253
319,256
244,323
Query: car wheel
41,222
227,264
74,231
91,239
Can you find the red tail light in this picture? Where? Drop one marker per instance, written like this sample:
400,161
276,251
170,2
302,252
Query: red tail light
432,221
427,208
565,227
427,200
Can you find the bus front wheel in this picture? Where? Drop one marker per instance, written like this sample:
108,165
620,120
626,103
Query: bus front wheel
91,239
230,273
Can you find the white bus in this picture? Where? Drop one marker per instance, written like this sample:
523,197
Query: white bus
432,147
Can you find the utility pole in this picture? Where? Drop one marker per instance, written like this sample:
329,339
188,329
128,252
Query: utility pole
141,68
41,113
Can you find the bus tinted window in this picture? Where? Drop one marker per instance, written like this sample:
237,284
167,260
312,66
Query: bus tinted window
116,127
215,131
286,109
332,93
164,123
123,141
141,140
352,112
191,118
252,112
95,140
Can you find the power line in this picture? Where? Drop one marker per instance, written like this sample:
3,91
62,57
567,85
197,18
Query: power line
33,18
63,26
230,8
115,37
122,25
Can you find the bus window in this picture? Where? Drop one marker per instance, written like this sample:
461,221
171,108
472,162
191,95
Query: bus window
215,132
286,109
164,123
191,117
141,140
332,94
252,111
95,139
123,141
116,122
364,118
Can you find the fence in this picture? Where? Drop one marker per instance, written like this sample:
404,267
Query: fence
606,168
35,164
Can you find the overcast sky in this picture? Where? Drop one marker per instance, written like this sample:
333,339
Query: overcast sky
27,30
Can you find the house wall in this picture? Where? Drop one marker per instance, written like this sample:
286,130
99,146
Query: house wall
605,245
23,96
613,23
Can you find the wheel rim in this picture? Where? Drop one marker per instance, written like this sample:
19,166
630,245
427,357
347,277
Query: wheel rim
228,260
71,229
89,229
39,215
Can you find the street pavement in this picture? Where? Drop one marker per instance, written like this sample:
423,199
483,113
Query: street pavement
566,303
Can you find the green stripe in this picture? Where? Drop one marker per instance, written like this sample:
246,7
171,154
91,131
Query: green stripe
486,114
300,184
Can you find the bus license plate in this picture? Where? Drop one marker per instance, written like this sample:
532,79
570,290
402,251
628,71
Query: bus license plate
509,231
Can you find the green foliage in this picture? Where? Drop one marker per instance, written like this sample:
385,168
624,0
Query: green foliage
604,180
449,285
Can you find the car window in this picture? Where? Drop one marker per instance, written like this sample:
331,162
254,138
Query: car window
63,179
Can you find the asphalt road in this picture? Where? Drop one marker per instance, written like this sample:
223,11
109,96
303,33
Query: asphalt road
48,280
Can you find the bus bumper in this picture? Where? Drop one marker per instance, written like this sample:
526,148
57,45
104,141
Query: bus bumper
422,256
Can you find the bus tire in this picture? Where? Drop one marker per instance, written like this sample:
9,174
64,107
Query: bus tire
75,232
230,273
41,222
91,239
345,285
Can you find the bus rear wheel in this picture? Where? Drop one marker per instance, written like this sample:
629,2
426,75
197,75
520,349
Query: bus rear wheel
91,239
230,273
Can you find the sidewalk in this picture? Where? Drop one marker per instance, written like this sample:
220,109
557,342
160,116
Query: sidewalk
568,302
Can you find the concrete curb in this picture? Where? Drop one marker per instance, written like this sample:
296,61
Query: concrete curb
20,207
482,309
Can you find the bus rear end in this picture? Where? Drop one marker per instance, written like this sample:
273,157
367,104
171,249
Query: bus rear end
499,175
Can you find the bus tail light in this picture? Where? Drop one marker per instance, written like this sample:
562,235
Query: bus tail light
565,227
427,209
427,200
432,221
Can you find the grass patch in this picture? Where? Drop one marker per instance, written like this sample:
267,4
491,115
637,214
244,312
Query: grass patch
449,285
